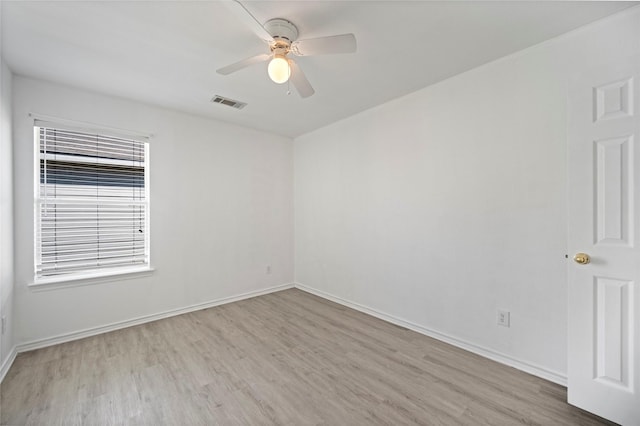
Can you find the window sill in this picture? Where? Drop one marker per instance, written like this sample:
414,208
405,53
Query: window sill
90,279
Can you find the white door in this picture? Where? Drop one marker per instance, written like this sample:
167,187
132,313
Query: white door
604,212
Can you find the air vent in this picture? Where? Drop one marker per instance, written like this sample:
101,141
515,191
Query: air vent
217,99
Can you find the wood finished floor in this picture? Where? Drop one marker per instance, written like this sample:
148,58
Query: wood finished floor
285,358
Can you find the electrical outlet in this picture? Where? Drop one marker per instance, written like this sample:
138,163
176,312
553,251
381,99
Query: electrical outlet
504,318
4,324
268,269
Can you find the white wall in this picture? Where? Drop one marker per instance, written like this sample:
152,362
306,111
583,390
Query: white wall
6,212
221,211
443,206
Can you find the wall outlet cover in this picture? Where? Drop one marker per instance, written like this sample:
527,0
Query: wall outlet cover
504,318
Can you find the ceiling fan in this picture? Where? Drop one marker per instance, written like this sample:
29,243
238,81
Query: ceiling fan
282,37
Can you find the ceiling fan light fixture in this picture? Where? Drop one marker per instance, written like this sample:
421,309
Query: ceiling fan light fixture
279,69
282,37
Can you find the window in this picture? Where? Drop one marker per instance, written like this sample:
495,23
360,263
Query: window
92,204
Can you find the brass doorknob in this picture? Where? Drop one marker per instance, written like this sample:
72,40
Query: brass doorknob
582,258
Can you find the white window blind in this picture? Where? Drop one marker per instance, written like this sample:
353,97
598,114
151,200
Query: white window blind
92,203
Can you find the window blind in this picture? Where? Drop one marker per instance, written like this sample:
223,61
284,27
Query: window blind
92,202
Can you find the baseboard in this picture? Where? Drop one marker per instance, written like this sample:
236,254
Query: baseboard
76,335
8,362
525,366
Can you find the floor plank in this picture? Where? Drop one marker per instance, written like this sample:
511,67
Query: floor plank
287,358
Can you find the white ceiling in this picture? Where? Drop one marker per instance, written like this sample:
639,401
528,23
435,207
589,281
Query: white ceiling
166,52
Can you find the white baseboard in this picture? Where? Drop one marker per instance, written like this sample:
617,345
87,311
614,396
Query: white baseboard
8,362
525,366
81,334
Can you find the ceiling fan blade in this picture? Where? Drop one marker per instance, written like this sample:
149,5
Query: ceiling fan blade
243,64
344,43
249,20
300,81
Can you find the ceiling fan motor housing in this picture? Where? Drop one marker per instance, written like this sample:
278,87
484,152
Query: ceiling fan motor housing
281,29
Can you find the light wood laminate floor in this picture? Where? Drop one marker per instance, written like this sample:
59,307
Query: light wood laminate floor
285,358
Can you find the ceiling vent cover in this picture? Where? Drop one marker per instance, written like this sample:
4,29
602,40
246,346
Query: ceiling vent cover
217,99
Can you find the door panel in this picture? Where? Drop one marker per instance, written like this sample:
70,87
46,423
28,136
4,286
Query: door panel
614,198
613,309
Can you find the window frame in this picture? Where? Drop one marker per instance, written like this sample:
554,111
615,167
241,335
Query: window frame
97,275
